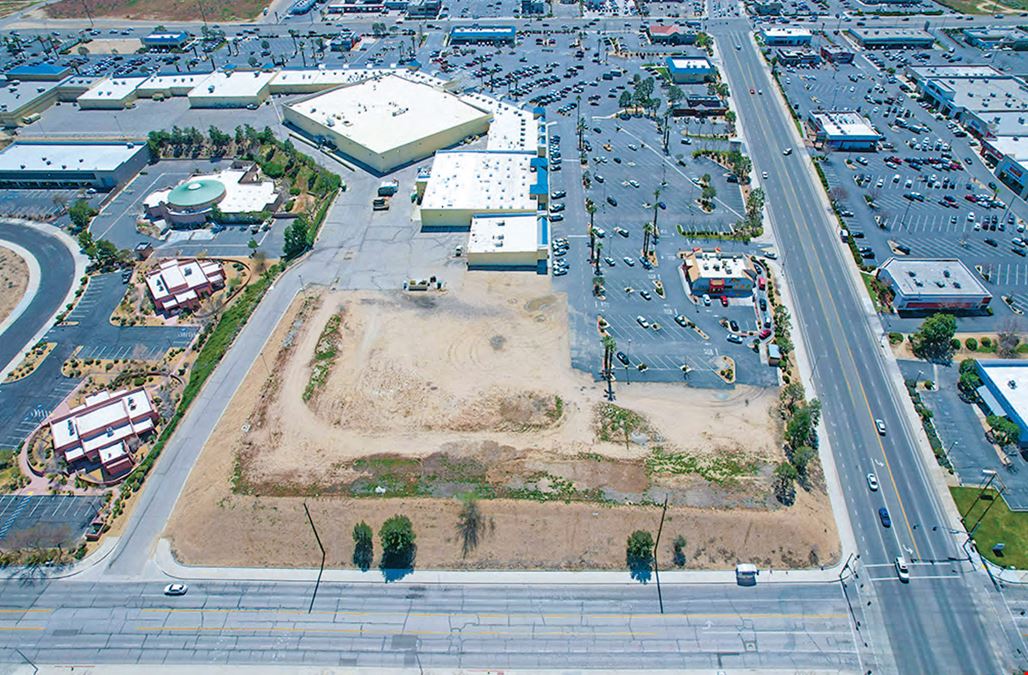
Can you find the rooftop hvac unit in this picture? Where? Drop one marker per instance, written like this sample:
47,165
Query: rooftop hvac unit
1012,384
956,284
946,273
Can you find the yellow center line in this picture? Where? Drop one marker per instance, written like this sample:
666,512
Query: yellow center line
24,611
21,628
819,271
404,614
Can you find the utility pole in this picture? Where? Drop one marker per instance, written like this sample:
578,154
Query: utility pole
322,569
656,547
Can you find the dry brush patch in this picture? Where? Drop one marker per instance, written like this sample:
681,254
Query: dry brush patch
434,399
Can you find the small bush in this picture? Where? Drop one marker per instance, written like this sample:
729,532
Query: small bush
971,344
639,548
986,342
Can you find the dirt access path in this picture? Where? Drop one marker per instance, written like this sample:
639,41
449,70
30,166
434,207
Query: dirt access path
435,396
14,280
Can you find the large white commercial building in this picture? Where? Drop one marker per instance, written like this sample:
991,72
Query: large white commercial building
52,165
933,284
389,121
516,241
234,89
464,184
111,93
788,37
1012,167
1007,382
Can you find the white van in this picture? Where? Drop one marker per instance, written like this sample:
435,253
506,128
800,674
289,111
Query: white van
746,574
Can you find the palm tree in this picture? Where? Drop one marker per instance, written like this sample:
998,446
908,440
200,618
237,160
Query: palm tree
596,259
656,203
609,346
590,208
647,232
597,284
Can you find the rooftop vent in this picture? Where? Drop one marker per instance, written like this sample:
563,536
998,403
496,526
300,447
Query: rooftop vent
1012,384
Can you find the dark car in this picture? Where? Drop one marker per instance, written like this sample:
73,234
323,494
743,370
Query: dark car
883,514
622,358
612,201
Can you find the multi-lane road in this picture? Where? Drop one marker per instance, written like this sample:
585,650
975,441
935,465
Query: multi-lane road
944,620
948,619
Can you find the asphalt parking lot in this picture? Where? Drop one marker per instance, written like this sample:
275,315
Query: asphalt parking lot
963,436
919,203
44,205
117,221
45,521
25,403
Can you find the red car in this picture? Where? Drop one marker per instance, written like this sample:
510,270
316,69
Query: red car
752,91
764,333
724,301
761,283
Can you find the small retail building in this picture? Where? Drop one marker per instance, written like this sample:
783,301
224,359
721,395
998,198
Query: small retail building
661,34
844,130
1012,167
786,37
232,89
98,430
690,70
718,273
517,241
892,38
797,56
112,93
495,35
834,54
997,37
933,284
1007,381
38,72
238,194
166,40
63,165
388,121
180,283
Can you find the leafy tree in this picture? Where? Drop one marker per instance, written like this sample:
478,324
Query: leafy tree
802,426
801,458
363,546
295,238
81,213
470,525
679,551
933,340
626,99
397,539
1004,430
969,379
785,476
639,549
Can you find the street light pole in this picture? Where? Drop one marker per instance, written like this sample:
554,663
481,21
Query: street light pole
992,476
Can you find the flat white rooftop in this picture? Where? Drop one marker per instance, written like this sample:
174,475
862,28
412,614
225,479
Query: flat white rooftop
163,83
1016,147
68,157
112,89
690,63
236,84
388,112
786,32
846,124
477,180
1011,381
15,96
933,277
509,233
511,129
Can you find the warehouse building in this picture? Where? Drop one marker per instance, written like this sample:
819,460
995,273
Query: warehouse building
21,102
102,429
1005,384
933,284
717,273
238,194
465,184
166,86
512,128
844,130
48,165
233,89
389,121
996,37
892,38
515,241
690,70
972,94
786,37
460,35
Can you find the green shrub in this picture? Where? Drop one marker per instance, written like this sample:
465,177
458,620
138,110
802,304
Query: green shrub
971,344
639,548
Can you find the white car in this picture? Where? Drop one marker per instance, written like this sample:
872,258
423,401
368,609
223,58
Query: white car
763,174
175,589
880,425
872,482
902,569
642,321
787,152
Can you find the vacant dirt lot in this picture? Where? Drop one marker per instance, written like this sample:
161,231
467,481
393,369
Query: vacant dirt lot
164,10
431,397
14,279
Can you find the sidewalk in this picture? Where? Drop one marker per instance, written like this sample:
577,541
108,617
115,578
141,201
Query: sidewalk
166,563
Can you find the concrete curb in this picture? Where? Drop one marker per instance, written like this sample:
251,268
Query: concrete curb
31,288
80,261
107,546
165,561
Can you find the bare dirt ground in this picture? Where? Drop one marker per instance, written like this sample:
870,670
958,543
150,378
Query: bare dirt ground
436,396
165,10
14,279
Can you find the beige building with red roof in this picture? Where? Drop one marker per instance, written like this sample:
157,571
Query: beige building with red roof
98,430
180,283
